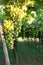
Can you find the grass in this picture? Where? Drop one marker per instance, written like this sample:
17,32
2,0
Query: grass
27,54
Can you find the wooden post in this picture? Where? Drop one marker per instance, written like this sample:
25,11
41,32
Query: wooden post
7,61
0,30
15,51
5,52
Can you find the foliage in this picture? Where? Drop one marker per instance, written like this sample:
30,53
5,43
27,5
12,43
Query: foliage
2,13
22,16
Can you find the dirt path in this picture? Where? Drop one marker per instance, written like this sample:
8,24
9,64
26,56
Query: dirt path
31,60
